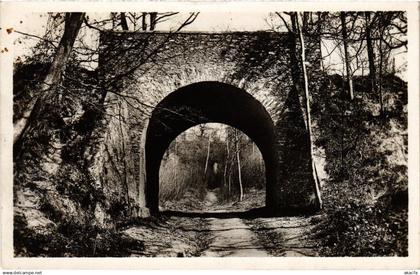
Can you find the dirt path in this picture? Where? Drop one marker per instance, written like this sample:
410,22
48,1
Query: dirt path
218,229
286,236
231,237
171,237
226,237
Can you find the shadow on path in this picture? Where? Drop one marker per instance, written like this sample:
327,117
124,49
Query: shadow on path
223,214
261,212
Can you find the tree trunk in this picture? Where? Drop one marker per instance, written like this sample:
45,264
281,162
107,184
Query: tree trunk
308,108
381,102
113,18
294,63
153,16
144,22
226,161
305,21
342,140
319,30
305,81
207,157
241,189
73,22
371,53
124,24
346,55
229,183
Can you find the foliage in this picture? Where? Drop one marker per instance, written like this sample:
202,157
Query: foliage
365,142
71,239
366,160
182,168
74,182
364,230
60,123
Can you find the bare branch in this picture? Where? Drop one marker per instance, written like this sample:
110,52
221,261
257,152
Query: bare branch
284,21
162,16
38,37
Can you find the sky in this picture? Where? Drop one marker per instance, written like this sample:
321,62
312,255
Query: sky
226,21
34,23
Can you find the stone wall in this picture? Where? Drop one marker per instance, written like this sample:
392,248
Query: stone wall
138,70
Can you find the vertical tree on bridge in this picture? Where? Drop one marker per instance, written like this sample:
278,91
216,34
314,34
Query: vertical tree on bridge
296,25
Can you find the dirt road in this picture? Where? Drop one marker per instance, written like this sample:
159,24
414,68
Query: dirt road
222,230
231,237
226,237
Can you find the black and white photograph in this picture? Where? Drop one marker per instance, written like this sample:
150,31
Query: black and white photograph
210,133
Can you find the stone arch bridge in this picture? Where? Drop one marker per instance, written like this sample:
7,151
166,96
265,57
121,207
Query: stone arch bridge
157,85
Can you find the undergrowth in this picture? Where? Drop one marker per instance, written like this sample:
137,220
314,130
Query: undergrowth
365,196
71,239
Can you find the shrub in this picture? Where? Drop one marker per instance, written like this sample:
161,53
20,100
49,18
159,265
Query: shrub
71,239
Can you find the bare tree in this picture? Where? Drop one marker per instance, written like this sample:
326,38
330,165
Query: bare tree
391,33
241,188
72,51
226,165
73,22
153,20
370,51
308,104
207,156
142,21
349,83
299,73
124,24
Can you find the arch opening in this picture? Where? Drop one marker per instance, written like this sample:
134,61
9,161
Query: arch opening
212,168
207,102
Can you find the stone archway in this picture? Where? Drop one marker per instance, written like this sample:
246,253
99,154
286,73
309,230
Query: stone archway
205,102
191,65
